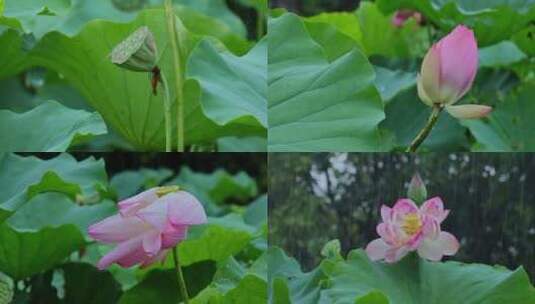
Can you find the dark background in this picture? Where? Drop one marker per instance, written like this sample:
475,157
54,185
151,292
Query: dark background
313,7
255,164
314,198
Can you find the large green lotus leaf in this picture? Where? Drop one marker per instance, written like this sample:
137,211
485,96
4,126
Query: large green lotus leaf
216,241
128,183
242,144
502,54
492,20
219,10
23,254
316,105
11,55
406,115
59,128
161,286
390,83
288,284
524,40
201,24
510,126
227,79
380,37
22,178
40,17
218,186
256,213
32,232
414,280
85,284
125,98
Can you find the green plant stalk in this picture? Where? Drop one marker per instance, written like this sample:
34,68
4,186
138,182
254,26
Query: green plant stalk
180,276
166,113
431,122
260,18
171,30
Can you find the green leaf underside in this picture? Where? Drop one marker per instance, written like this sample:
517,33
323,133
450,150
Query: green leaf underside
85,284
59,128
61,174
315,105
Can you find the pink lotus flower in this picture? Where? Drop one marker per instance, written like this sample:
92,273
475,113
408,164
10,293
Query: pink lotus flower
407,228
147,226
448,71
401,16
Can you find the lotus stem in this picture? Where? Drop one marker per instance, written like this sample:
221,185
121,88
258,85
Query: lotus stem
180,276
260,25
173,35
431,122
167,113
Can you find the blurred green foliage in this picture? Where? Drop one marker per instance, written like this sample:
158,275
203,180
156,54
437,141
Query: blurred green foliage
314,198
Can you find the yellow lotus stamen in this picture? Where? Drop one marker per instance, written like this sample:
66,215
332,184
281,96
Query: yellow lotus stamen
161,191
411,223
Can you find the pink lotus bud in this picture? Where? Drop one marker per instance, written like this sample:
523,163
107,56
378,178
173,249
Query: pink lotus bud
147,226
406,228
448,71
401,16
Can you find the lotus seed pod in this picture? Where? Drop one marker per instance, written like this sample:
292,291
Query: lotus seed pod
137,52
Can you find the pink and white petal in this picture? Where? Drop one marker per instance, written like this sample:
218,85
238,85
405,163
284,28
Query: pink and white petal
130,206
424,97
156,214
430,227
116,228
185,209
430,74
469,111
401,208
386,213
414,241
377,249
434,249
174,235
137,257
126,249
155,259
449,243
458,59
434,207
152,242
395,254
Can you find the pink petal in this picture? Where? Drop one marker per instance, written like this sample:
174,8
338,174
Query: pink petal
136,257
434,249
185,209
156,214
174,235
155,259
152,243
116,229
395,254
126,249
434,207
377,249
131,205
458,62
430,75
403,207
430,228
469,111
414,241
386,213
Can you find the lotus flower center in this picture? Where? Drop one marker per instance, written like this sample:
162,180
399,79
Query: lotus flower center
411,223
161,191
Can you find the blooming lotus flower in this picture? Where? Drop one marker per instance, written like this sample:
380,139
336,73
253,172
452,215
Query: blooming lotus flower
407,228
448,71
401,16
147,226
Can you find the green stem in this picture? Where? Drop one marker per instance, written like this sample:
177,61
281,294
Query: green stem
173,35
260,29
166,113
431,122
180,277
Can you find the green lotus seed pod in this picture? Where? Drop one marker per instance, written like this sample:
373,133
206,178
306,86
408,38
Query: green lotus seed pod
137,52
